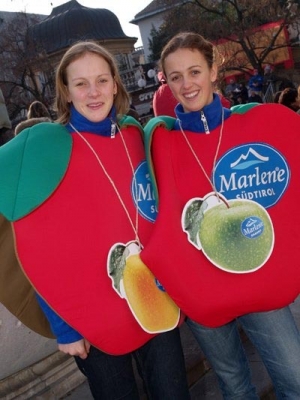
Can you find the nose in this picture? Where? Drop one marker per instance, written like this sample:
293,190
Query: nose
186,82
93,90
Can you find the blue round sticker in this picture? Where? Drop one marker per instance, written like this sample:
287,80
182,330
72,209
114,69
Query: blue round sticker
252,227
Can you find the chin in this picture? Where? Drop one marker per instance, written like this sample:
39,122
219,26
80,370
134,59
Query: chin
192,109
96,118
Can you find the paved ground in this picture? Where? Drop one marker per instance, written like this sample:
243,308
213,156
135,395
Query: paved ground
202,380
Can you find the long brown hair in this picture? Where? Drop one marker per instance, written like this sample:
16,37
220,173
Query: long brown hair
78,50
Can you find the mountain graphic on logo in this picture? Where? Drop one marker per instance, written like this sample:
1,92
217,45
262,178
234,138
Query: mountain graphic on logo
251,158
251,222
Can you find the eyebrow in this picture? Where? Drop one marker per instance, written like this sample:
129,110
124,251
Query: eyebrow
191,67
98,76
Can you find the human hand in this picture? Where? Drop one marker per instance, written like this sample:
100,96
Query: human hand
80,348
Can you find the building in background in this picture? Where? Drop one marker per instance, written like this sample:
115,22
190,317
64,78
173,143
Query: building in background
72,22
152,16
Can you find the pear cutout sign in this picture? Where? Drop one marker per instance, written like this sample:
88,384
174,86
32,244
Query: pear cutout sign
147,299
235,235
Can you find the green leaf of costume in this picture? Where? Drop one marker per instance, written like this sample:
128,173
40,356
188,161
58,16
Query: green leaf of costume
243,108
127,120
32,166
168,123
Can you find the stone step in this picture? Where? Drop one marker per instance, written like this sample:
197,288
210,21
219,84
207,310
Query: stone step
48,379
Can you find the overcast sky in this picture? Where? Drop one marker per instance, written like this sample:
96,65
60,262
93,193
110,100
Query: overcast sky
124,10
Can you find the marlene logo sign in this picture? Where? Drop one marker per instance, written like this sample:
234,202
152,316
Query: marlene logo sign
142,192
253,171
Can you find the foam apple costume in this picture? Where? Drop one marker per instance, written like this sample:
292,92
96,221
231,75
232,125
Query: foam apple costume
256,162
59,218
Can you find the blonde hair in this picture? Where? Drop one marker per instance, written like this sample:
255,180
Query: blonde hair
78,50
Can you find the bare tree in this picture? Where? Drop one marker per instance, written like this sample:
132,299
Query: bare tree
26,72
249,34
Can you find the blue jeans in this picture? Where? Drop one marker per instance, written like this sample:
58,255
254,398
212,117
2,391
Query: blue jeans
276,338
160,363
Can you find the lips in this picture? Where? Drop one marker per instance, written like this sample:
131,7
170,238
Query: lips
95,105
191,95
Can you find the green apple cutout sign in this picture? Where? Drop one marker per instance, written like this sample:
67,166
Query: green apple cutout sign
235,235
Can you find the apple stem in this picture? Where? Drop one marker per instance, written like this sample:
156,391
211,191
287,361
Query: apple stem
225,202
220,198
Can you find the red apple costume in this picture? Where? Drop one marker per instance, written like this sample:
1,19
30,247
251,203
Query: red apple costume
65,216
259,160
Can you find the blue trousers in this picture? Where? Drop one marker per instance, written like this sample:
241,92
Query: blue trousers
276,338
160,363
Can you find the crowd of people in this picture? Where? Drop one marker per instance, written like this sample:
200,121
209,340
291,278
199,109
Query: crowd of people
115,282
256,88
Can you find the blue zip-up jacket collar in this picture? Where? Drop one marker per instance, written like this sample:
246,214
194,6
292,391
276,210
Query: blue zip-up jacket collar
191,121
82,124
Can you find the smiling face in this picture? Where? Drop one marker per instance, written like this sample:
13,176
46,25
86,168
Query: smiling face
190,78
91,87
